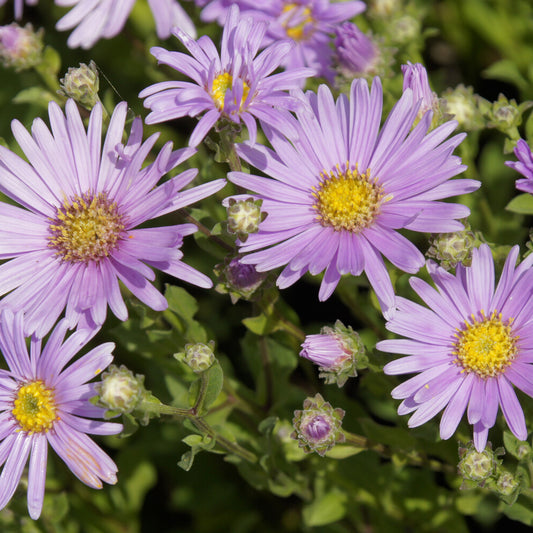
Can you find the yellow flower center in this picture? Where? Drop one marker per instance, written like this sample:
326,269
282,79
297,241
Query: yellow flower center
487,346
347,200
221,84
297,21
86,229
34,407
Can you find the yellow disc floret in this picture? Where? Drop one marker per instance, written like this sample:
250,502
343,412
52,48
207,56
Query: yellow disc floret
347,200
297,21
487,346
34,407
87,228
221,84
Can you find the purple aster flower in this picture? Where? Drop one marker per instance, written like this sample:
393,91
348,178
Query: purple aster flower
42,403
415,77
103,19
524,165
234,85
341,189
309,23
354,51
75,235
469,348
217,9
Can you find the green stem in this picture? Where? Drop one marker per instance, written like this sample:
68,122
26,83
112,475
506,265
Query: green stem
206,231
201,425
414,458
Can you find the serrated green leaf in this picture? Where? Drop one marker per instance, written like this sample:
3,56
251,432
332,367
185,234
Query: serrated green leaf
341,451
522,204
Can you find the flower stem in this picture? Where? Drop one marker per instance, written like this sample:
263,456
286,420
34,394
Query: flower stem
412,457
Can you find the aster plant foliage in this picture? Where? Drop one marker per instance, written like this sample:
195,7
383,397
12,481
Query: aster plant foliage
339,190
45,402
234,85
80,205
304,149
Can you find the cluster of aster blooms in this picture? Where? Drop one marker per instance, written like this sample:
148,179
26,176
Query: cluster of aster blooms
331,192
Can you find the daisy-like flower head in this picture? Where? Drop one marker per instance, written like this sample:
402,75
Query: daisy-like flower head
524,165
93,20
468,347
309,23
234,85
42,401
341,189
75,235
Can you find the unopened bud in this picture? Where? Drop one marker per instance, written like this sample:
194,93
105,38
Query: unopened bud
507,484
244,217
198,357
20,47
461,104
450,249
415,77
120,391
477,467
237,279
318,426
337,351
81,84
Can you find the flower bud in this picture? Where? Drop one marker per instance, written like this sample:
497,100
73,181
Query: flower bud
81,84
450,249
338,351
120,391
20,47
354,51
461,104
244,217
477,467
198,357
238,279
415,77
507,484
318,426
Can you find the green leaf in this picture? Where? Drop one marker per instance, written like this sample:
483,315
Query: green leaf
197,443
521,510
522,204
327,509
35,95
506,70
341,451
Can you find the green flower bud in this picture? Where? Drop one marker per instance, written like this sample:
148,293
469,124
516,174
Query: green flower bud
244,217
477,467
318,426
120,391
450,249
20,47
461,104
507,484
81,84
198,357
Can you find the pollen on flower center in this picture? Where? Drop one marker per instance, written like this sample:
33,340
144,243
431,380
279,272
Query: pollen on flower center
221,84
34,407
87,228
347,200
297,21
486,347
